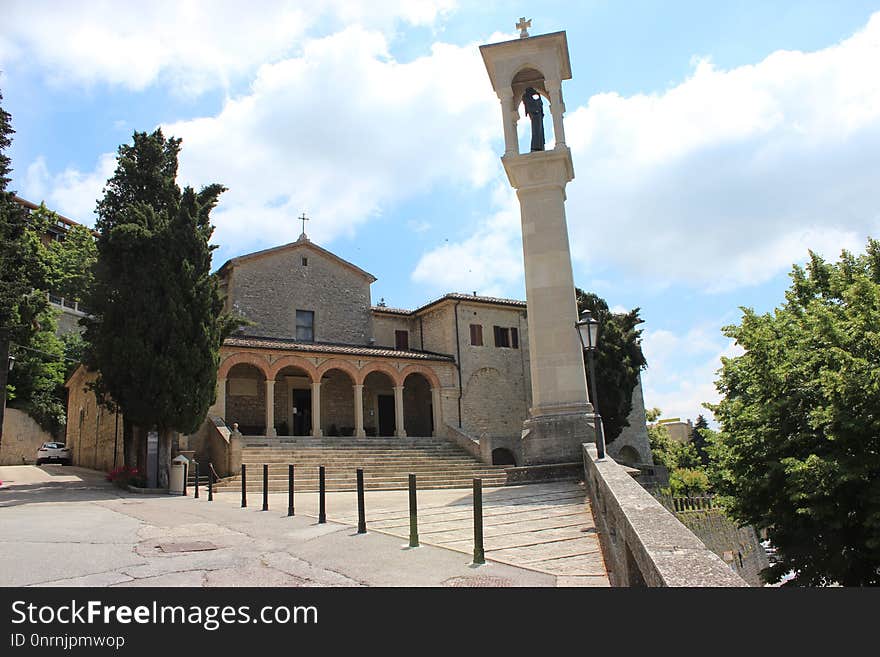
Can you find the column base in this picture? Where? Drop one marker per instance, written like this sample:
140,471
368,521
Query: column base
557,438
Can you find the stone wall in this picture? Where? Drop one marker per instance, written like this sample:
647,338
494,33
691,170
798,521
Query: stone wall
384,327
337,403
643,543
22,437
635,436
268,289
248,410
496,389
94,434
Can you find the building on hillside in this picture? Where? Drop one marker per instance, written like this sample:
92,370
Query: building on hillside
679,431
69,311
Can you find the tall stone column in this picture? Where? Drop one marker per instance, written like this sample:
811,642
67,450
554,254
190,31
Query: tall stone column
436,410
561,416
399,431
316,410
270,408
359,410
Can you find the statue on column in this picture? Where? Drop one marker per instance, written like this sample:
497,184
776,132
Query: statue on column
535,111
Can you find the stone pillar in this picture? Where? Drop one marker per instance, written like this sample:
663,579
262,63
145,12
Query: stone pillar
561,415
316,410
509,116
219,407
359,411
270,408
557,109
400,432
435,410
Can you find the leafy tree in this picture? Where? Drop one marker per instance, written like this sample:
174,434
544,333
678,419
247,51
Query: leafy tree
698,439
157,322
688,481
22,270
70,263
798,452
619,360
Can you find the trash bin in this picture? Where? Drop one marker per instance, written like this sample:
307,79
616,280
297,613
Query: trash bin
177,480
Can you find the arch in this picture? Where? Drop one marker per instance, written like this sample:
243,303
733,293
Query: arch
426,372
338,364
628,455
385,368
293,361
503,456
250,358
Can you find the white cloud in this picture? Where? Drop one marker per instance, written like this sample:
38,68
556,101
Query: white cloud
194,45
341,132
71,192
682,369
488,262
727,178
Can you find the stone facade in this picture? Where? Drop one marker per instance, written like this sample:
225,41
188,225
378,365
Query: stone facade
94,434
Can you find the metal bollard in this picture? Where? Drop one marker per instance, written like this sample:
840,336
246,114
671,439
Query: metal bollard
362,514
185,475
265,487
196,496
322,504
479,556
290,489
243,486
413,513
210,482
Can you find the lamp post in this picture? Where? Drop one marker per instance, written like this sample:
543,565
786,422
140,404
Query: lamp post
588,332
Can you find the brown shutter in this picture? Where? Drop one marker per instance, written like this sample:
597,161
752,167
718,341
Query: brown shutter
477,335
498,339
401,340
514,338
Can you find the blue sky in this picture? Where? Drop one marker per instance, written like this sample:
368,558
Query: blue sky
713,143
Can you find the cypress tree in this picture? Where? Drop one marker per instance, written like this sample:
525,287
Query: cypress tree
157,322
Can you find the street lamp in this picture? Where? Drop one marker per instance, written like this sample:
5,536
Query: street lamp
588,332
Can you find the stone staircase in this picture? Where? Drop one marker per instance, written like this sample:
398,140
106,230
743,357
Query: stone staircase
386,462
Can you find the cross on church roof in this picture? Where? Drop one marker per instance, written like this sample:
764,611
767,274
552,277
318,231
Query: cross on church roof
304,219
523,26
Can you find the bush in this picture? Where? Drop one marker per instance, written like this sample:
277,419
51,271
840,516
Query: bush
126,476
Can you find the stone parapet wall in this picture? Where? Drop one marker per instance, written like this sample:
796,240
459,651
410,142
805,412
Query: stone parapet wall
643,543
94,434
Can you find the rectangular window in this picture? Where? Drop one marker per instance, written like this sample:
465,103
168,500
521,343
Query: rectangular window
305,261
506,337
477,335
305,325
401,340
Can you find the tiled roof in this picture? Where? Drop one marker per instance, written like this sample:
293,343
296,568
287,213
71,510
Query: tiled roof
452,296
331,348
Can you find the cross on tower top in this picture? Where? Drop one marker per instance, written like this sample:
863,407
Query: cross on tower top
523,26
304,219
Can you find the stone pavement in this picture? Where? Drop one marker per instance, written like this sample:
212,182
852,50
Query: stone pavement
65,526
548,528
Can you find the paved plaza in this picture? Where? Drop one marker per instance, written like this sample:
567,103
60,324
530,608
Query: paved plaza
65,526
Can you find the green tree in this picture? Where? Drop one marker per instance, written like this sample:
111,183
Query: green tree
619,360
157,322
22,270
698,439
798,452
688,481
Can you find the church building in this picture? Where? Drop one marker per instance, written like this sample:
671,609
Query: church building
318,358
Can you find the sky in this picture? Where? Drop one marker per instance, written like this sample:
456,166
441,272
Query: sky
713,144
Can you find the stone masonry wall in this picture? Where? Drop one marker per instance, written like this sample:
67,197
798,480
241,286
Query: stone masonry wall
636,434
93,433
22,437
269,289
384,327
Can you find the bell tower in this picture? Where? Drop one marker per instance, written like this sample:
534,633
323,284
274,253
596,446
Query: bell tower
527,71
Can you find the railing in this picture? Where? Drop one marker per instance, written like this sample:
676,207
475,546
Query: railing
69,304
688,503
